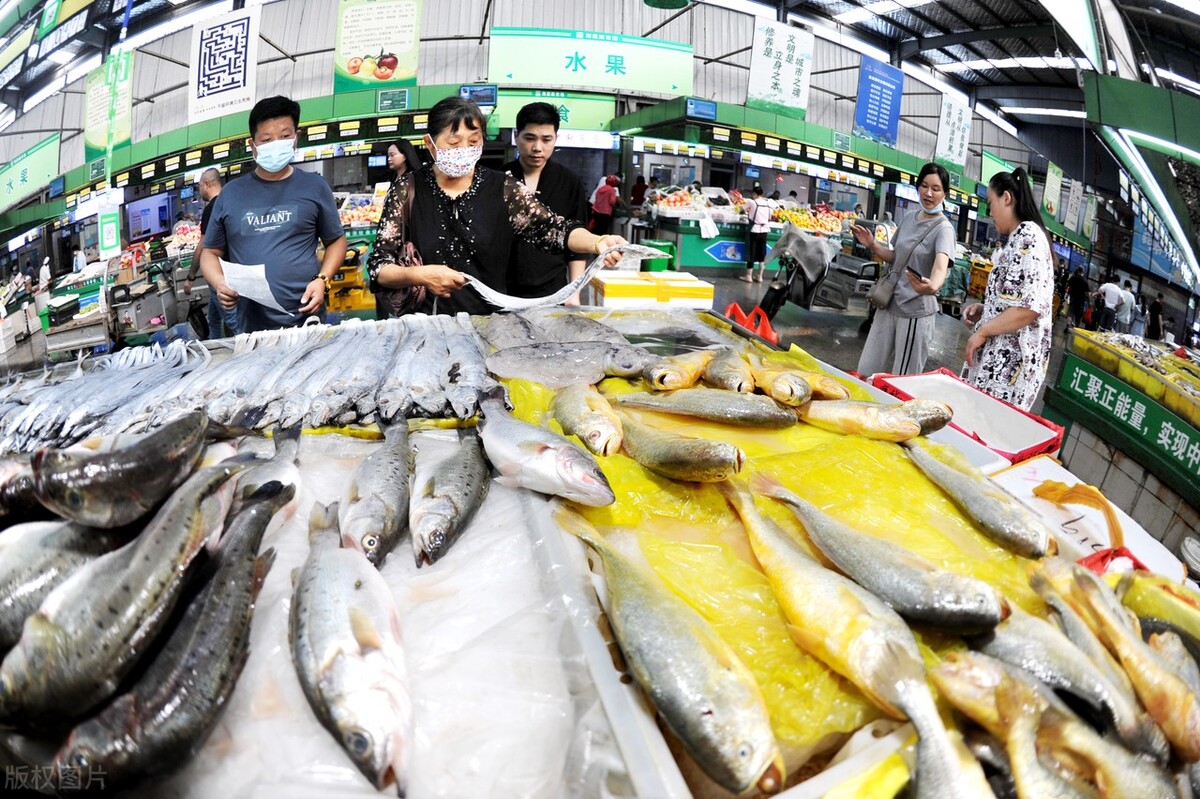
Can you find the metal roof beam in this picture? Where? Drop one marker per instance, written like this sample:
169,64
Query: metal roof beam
1037,92
911,47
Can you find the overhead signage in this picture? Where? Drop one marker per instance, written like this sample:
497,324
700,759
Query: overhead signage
841,141
377,44
388,101
629,64
576,110
12,57
877,111
582,139
108,89
954,131
642,144
780,68
1089,217
1052,193
223,65
1074,206
29,172
485,95
701,109
55,13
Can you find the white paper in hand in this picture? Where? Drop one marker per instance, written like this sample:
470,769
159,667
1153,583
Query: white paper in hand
250,281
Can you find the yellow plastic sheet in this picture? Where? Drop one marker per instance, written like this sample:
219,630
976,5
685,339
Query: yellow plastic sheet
883,781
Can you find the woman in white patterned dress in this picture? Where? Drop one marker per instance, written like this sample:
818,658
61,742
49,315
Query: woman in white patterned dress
1009,350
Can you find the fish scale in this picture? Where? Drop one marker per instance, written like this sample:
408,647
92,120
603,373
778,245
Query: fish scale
91,630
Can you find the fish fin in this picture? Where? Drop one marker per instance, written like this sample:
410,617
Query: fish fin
271,490
364,630
767,485
533,447
581,528
262,567
509,481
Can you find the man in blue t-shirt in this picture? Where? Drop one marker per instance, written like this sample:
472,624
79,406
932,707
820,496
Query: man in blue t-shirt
274,216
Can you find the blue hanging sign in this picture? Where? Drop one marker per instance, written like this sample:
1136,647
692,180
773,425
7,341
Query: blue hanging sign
877,112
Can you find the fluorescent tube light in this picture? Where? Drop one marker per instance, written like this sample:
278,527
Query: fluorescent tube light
1031,62
54,87
1045,112
993,117
80,69
174,25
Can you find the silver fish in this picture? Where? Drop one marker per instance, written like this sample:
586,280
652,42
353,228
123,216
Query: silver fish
445,494
349,655
282,468
504,330
557,365
911,585
532,457
375,514
574,326
715,405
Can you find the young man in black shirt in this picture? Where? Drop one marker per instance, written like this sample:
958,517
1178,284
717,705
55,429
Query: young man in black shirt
531,272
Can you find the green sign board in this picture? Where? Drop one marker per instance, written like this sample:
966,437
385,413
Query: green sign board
387,100
841,141
96,169
1170,439
108,106
376,45
29,172
110,233
577,111
49,19
550,56
991,165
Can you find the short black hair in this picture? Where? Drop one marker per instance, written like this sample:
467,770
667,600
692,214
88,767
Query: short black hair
453,113
273,108
538,114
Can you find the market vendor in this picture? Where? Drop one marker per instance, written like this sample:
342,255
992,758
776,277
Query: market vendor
275,216
533,273
451,219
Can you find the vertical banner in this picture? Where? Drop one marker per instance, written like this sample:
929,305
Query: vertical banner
877,112
954,131
1089,218
780,69
377,44
108,106
223,65
1074,205
109,222
1052,195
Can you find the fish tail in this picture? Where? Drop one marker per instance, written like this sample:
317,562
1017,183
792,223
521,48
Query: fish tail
243,425
496,393
262,567
323,518
582,529
280,434
767,485
275,492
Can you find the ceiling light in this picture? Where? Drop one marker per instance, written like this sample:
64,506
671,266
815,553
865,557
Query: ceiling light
80,69
1031,62
877,10
1045,112
829,34
173,25
52,88
1162,145
991,116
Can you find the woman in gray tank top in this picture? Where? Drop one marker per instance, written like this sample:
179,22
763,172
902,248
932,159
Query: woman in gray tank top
902,332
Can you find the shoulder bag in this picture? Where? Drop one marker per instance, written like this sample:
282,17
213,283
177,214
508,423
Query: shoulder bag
881,293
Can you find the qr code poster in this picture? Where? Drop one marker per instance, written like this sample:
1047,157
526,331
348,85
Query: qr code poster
223,65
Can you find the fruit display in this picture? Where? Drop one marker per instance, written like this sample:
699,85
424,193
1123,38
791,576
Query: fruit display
379,67
823,219
360,210
681,198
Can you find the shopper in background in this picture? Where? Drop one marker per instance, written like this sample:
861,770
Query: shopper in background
451,219
858,209
1109,300
209,189
44,275
604,182
1125,309
1154,325
1140,316
1077,294
1009,350
758,212
402,158
275,215
923,248
78,259
604,205
531,272
637,195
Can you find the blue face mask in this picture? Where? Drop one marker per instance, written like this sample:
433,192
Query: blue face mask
937,209
273,156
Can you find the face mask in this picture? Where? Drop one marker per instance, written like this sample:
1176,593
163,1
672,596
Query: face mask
457,162
273,156
937,209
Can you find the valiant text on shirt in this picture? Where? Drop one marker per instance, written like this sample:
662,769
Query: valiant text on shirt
269,220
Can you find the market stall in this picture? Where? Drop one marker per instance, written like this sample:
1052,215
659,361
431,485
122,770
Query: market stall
517,660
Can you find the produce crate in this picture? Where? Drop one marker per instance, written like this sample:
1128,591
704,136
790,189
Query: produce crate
659,264
1158,387
979,279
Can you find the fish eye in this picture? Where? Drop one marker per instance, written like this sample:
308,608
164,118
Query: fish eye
745,751
80,760
358,742
75,499
370,542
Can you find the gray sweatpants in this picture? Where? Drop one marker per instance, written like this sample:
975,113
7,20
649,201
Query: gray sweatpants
896,344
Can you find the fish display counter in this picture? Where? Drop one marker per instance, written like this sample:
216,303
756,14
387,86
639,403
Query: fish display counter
555,553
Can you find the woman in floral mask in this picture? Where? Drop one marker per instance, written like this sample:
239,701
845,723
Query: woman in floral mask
453,218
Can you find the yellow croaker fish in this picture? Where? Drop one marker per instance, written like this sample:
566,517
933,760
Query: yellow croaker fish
1152,596
679,457
729,370
1164,694
866,419
698,684
824,387
677,371
785,386
856,635
581,411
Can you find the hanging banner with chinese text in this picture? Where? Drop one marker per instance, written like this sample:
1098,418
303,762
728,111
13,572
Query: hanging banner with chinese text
954,131
1089,218
1074,206
378,44
1052,195
550,57
29,172
877,112
780,69
108,106
222,76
